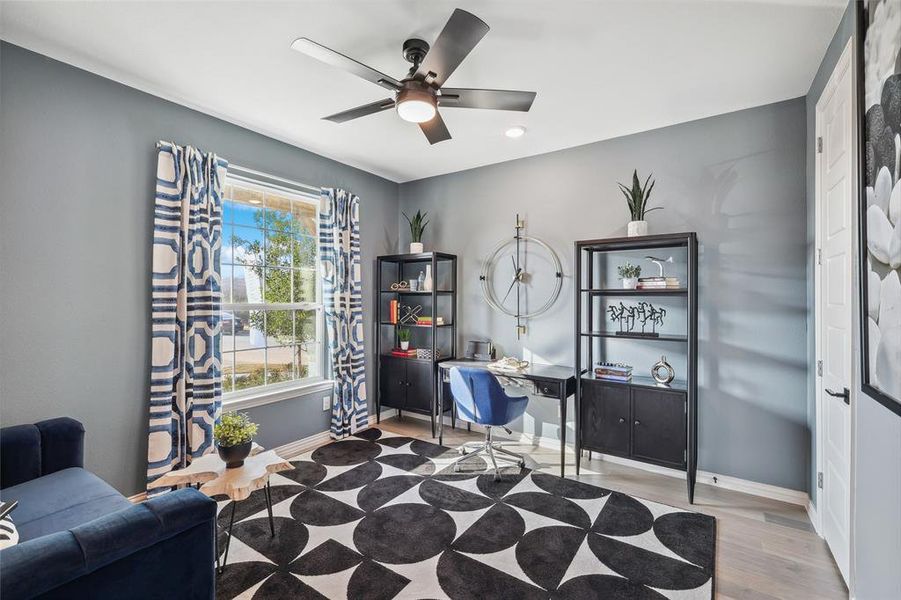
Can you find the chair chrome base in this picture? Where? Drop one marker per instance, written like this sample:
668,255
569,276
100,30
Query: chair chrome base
491,447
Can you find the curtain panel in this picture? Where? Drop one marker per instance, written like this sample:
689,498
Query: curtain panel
185,385
339,250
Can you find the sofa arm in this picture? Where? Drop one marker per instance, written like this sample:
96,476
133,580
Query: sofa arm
168,541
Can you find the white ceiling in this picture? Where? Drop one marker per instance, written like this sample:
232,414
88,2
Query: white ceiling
601,68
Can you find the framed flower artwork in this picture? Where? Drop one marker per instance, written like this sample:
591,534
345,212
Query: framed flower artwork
879,101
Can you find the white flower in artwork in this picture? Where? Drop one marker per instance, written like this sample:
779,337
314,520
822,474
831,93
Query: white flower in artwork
882,191
894,248
894,204
875,285
888,361
881,47
879,234
890,302
874,337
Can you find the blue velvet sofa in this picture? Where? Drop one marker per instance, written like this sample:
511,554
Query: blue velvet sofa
80,538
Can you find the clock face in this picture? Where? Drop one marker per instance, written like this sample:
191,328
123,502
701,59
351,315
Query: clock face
521,281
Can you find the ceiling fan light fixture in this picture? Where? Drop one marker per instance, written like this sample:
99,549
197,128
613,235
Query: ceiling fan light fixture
416,105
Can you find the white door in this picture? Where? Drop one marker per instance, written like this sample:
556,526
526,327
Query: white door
836,194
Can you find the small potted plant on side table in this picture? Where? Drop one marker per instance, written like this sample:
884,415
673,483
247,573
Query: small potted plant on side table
403,337
629,273
234,438
417,226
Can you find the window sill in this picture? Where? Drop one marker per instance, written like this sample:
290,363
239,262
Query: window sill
254,398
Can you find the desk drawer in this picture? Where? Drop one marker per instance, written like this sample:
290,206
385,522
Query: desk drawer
547,388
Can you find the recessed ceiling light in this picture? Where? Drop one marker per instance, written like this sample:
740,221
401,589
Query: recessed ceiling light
515,132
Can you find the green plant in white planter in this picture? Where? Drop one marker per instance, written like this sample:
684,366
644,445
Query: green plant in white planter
629,273
417,226
403,336
637,200
234,438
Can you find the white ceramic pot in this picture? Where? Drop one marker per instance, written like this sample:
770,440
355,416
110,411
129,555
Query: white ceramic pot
637,228
630,283
405,345
415,247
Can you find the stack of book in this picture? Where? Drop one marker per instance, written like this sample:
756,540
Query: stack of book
658,283
613,371
428,320
392,311
411,353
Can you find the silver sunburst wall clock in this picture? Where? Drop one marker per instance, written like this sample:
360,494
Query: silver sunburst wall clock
521,277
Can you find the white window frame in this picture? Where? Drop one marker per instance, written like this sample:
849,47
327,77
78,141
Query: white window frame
285,390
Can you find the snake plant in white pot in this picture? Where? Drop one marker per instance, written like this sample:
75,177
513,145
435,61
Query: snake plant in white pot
637,200
417,226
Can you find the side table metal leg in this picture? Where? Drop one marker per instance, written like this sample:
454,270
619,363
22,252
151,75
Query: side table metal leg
269,508
228,542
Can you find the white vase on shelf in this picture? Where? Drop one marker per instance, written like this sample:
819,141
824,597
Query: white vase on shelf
630,283
427,282
405,345
637,228
415,247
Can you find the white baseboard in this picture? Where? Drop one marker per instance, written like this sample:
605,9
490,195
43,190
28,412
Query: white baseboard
814,517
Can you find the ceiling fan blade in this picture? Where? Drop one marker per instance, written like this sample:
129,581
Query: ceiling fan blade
490,99
336,59
360,111
435,130
459,36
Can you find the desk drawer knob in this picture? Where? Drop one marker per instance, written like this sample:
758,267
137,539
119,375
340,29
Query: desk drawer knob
622,420
637,422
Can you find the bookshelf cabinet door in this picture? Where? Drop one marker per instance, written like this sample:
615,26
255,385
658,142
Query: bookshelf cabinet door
393,382
658,429
605,417
420,381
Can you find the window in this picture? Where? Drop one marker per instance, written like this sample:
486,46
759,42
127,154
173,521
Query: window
271,294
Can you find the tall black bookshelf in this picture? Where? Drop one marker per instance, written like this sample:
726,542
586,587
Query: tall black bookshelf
411,383
640,419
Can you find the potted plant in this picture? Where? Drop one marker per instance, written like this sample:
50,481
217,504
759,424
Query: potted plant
629,273
234,438
637,199
403,336
417,226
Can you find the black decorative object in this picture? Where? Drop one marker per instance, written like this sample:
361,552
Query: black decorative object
641,418
233,456
879,127
394,522
408,382
628,316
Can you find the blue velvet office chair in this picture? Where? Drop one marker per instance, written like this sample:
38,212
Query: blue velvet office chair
479,398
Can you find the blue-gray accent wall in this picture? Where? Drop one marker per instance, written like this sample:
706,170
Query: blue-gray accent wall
737,179
77,176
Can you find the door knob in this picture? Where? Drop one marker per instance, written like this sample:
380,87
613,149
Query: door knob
637,422
845,395
622,420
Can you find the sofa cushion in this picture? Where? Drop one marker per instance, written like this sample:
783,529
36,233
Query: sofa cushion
61,501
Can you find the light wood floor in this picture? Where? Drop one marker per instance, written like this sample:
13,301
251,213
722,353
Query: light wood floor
765,549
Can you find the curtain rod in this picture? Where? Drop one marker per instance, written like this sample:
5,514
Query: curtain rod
290,182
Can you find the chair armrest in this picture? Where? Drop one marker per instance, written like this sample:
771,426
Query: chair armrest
62,444
40,565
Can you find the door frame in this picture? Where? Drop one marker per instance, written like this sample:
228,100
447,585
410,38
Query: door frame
845,62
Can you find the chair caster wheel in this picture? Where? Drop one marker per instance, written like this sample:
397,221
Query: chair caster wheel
462,451
497,477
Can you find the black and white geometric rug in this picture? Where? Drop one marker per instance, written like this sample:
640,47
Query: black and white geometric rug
384,516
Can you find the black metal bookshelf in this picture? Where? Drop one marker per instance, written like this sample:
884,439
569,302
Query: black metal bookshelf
410,383
638,419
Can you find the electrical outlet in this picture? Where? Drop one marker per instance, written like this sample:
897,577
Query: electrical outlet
326,402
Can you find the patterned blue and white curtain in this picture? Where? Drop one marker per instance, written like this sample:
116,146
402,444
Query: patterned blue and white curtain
339,250
185,386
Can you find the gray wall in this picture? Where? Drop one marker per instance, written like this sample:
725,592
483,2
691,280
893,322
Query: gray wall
739,181
876,504
77,174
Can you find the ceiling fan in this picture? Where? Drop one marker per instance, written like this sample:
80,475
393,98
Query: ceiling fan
418,95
